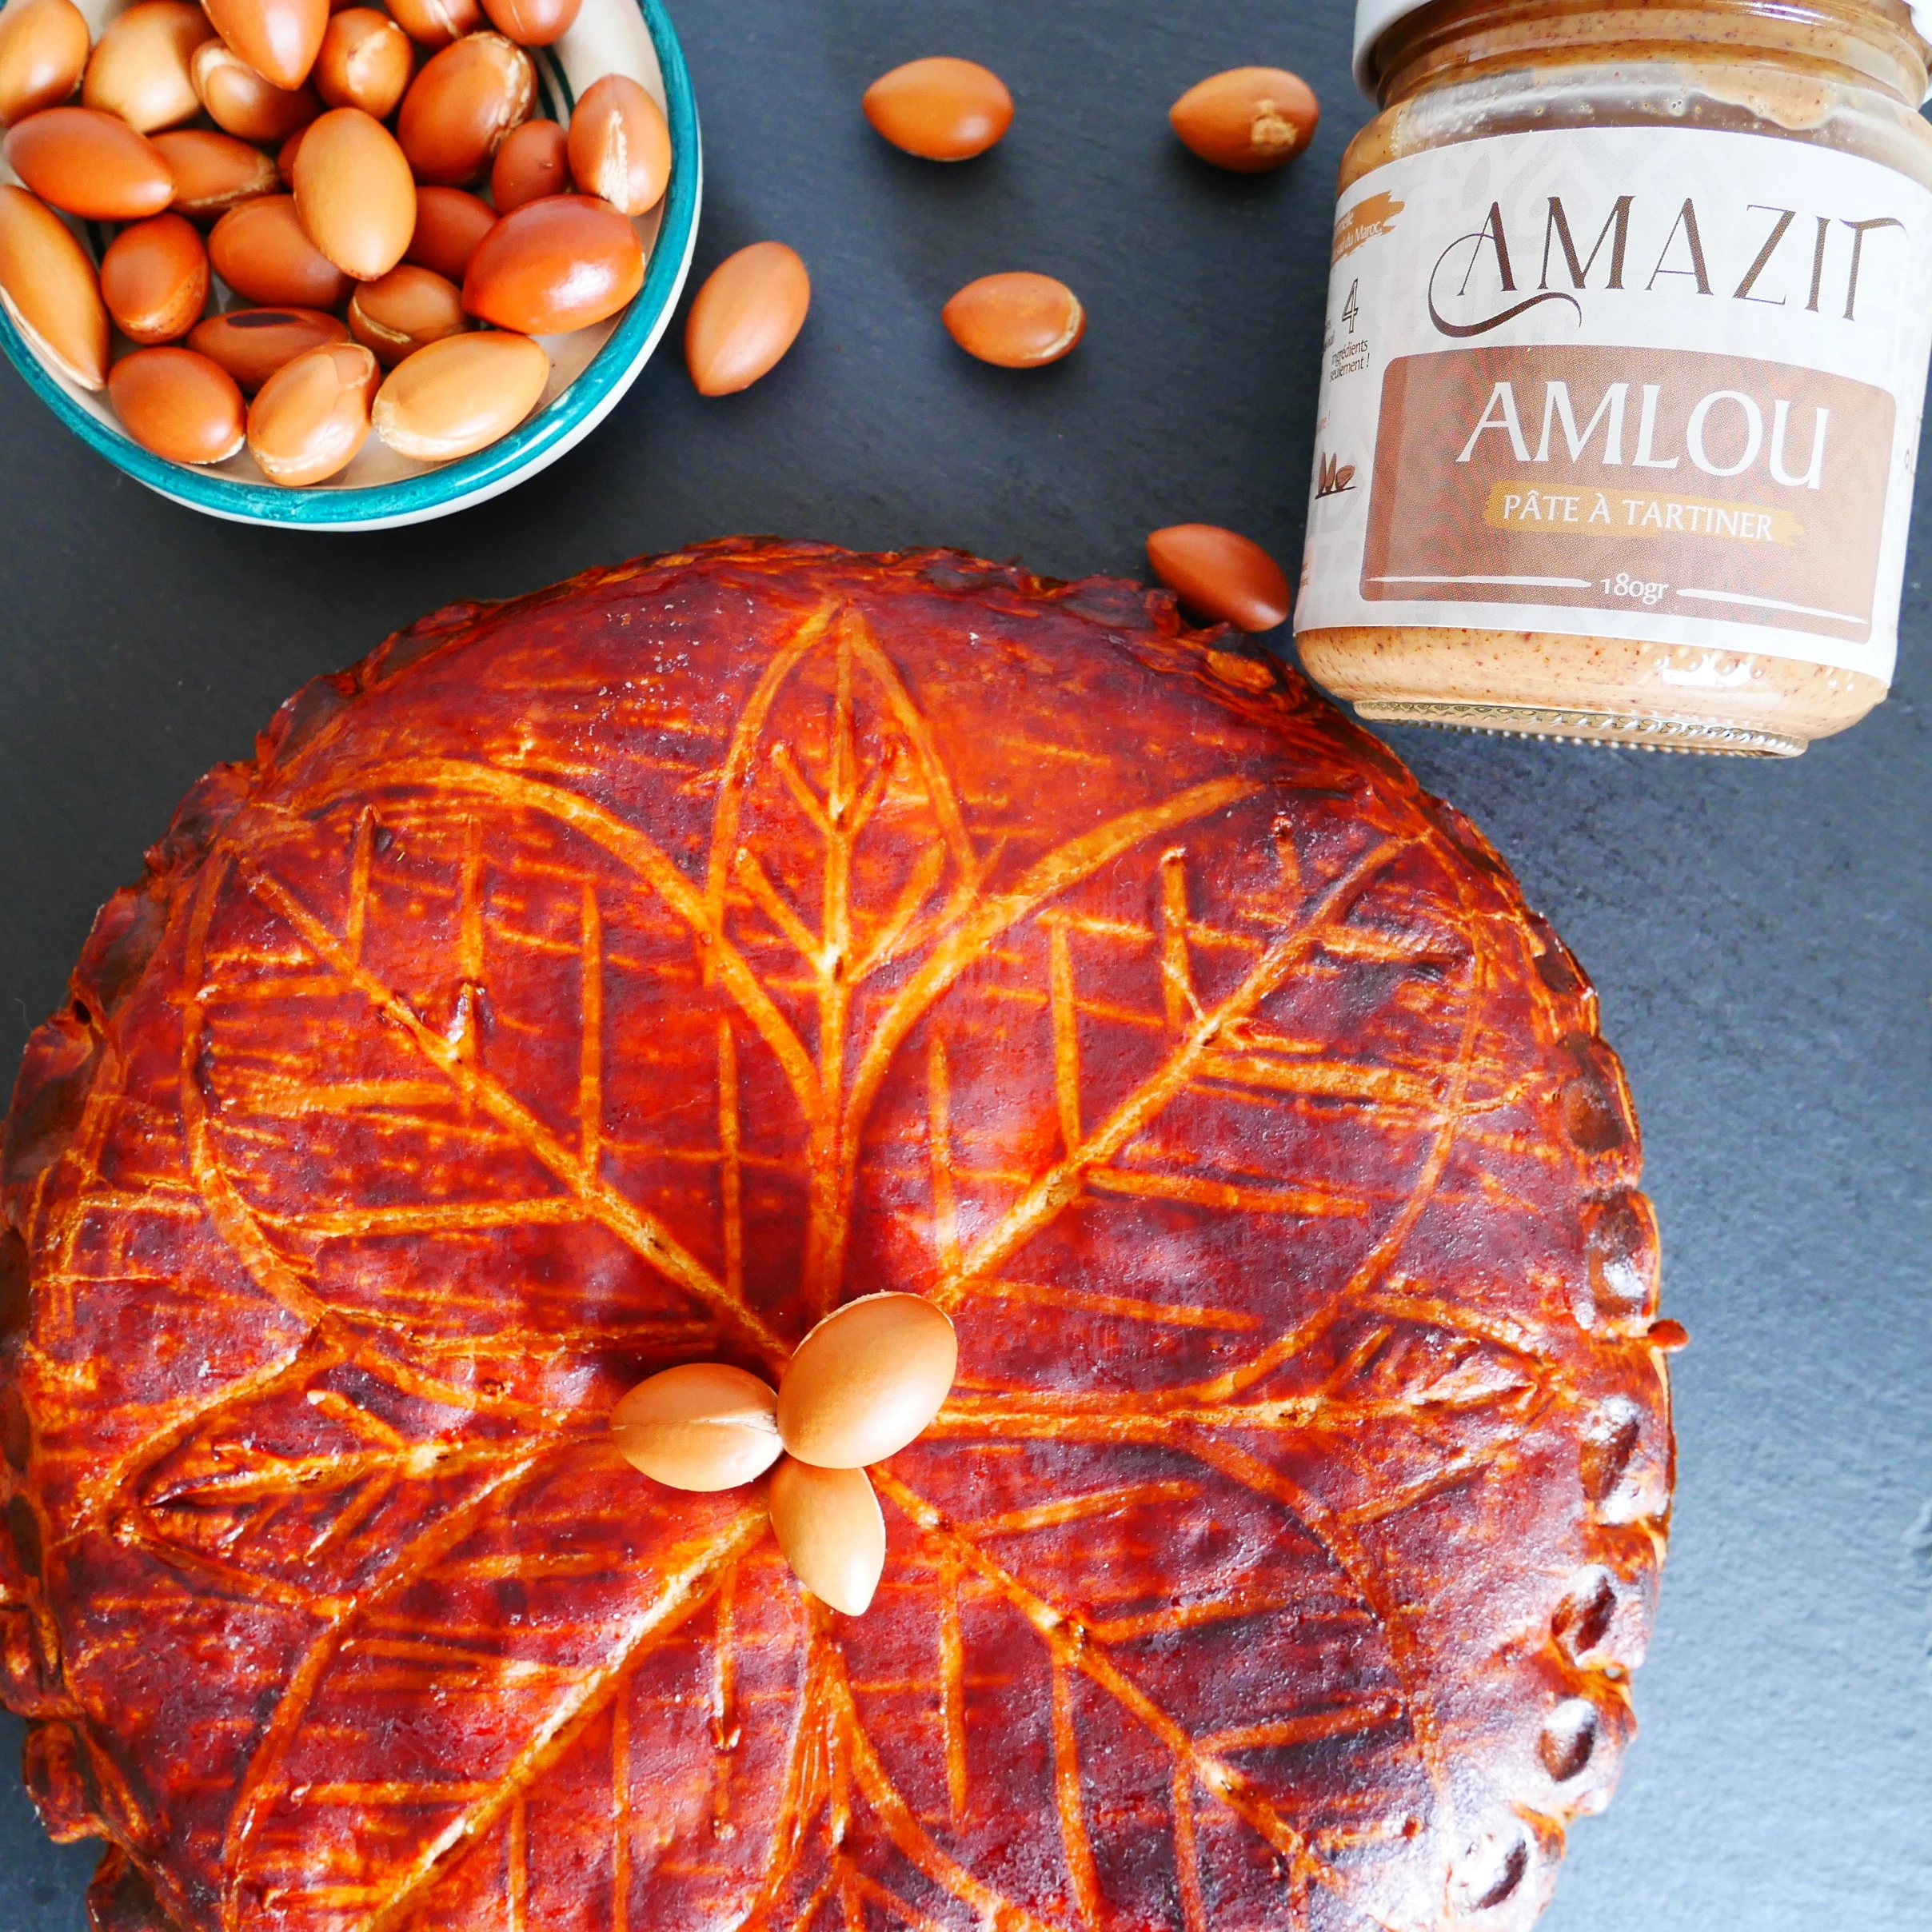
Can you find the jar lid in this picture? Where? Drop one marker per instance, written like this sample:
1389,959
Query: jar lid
1375,18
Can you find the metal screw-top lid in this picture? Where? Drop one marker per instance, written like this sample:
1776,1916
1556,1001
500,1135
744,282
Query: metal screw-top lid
1375,18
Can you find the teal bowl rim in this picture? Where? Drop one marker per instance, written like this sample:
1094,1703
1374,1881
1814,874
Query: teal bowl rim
489,471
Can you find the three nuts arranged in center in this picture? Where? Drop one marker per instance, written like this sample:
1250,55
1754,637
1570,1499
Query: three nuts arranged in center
866,1382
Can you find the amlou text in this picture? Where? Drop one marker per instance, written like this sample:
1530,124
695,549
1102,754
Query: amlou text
1500,416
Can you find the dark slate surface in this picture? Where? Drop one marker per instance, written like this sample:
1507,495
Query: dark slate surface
1759,933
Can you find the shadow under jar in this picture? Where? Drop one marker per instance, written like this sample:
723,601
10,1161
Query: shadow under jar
1625,355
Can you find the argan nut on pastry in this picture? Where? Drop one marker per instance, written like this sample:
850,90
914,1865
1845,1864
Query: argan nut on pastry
683,1015
827,1522
866,1381
701,1426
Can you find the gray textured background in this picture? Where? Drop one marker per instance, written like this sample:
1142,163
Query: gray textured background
1758,933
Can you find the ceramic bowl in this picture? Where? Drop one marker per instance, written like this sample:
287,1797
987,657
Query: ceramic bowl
590,368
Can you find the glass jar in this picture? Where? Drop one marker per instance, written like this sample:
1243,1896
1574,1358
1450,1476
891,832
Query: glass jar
1628,328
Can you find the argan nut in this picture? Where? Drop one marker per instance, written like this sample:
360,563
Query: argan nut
532,23
311,417
1220,576
620,145
746,316
285,156
460,394
867,1380
179,405
354,194
830,1530
705,1426
43,49
534,161
139,67
460,107
240,102
450,223
562,263
251,344
278,38
1249,119
1016,320
366,60
213,171
89,164
939,109
408,309
50,289
154,279
436,23
263,253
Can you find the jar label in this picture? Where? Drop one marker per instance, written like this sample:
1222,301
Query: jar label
1659,384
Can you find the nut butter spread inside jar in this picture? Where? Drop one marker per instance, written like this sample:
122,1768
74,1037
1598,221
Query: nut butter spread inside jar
1627,332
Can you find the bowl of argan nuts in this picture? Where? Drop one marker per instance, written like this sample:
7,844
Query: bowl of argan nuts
340,269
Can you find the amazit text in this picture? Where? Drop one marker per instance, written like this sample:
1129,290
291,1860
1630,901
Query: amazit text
1761,253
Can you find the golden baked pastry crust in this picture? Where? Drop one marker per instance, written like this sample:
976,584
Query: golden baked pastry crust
629,974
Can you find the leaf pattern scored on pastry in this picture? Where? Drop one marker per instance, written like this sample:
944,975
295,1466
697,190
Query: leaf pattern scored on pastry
631,976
